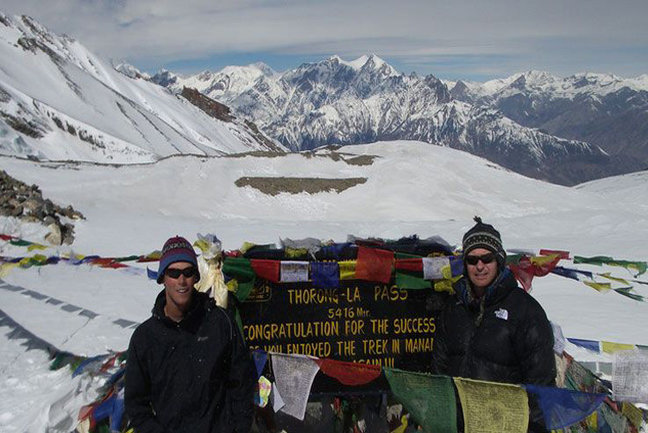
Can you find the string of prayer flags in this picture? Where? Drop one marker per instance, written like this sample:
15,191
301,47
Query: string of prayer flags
493,407
564,407
293,271
325,274
429,399
630,376
294,375
349,373
374,264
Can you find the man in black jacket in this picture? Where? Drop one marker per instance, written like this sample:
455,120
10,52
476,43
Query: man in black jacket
188,367
491,329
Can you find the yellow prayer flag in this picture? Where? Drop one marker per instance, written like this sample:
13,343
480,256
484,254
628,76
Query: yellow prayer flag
610,277
5,268
543,260
592,421
610,347
493,407
633,413
246,246
347,269
601,287
292,253
33,247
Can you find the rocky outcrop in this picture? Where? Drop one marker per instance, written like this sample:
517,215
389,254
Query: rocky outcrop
19,200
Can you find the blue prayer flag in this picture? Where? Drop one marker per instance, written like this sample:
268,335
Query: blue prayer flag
587,344
325,275
564,407
260,359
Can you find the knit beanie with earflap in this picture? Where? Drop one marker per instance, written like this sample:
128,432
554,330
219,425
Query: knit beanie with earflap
484,236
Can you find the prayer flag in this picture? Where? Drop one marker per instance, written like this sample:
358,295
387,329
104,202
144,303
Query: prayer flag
266,269
433,267
429,399
490,406
409,264
292,272
349,373
610,347
564,407
411,280
587,344
260,359
241,270
562,254
347,269
262,396
374,264
294,375
599,287
325,274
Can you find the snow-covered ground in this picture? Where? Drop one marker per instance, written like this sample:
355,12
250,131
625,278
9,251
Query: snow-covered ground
411,188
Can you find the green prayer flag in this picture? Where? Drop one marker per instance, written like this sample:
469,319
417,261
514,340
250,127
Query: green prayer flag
410,280
429,399
240,269
19,243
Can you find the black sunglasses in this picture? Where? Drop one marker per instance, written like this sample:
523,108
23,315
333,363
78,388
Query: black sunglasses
485,258
175,273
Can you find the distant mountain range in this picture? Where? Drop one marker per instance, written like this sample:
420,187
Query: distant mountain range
59,101
566,131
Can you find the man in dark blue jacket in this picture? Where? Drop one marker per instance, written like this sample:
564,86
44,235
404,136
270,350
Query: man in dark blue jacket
188,367
491,329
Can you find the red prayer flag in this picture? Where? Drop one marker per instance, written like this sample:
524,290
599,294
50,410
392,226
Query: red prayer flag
413,265
524,270
562,254
349,373
374,264
266,269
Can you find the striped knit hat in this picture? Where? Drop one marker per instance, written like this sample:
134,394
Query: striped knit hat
176,249
484,236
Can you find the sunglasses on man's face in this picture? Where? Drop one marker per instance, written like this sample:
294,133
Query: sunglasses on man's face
485,259
175,273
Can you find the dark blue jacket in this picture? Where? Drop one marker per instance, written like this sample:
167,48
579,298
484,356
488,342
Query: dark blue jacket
193,376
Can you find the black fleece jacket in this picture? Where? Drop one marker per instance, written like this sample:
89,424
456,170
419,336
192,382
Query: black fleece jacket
193,376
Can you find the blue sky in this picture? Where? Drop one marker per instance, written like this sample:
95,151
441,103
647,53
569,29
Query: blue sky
461,39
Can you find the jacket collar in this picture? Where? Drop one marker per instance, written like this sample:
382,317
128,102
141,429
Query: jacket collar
198,305
498,289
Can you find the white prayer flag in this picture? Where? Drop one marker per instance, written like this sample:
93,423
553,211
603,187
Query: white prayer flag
292,272
294,375
433,267
630,376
